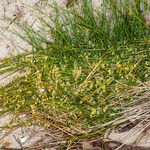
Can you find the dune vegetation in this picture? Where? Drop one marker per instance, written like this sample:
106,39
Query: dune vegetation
83,78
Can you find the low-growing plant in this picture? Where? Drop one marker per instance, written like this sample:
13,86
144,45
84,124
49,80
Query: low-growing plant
81,76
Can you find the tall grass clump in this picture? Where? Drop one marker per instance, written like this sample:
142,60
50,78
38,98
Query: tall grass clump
79,79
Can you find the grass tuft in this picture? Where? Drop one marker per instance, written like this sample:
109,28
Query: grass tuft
79,80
